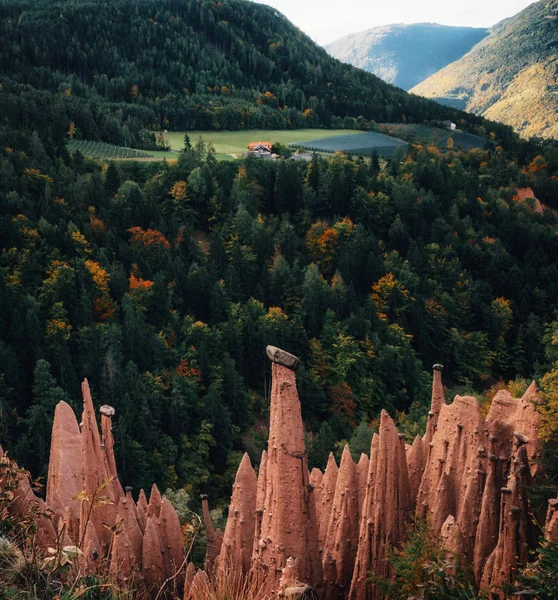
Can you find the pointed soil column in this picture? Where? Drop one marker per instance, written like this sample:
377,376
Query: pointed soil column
455,472
451,537
362,477
438,400
89,542
516,532
155,502
386,510
489,519
510,418
260,502
23,498
129,524
95,474
123,565
65,480
510,421
200,588
238,541
153,565
289,527
107,412
416,461
214,538
316,478
325,495
142,510
172,540
342,534
190,574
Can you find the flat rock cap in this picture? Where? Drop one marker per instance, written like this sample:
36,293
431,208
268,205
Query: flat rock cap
107,410
438,367
281,357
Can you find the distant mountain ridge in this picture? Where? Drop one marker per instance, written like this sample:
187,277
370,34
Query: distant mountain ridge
405,55
511,76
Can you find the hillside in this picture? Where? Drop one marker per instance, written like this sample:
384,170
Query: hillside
405,55
129,66
511,76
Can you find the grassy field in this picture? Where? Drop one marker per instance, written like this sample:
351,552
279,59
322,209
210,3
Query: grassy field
235,142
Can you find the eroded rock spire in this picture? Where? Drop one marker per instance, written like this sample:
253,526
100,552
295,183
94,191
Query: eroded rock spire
289,527
238,540
341,540
386,511
65,479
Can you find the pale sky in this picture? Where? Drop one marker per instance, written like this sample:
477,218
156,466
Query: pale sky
328,20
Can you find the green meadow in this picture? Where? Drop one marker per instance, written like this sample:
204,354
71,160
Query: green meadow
227,143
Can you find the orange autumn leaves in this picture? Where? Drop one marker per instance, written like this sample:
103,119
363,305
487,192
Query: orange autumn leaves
323,242
390,296
148,238
103,305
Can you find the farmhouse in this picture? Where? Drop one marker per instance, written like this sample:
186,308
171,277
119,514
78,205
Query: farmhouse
259,150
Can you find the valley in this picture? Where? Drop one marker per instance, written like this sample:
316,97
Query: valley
228,378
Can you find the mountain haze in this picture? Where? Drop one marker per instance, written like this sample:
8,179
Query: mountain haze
405,55
511,76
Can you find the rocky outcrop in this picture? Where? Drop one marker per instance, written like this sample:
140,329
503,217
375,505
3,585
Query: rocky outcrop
386,511
289,526
458,476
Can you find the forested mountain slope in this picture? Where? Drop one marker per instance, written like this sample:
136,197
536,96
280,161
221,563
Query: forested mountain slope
511,76
405,55
117,67
163,283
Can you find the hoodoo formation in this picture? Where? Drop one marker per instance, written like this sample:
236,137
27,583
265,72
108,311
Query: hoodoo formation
289,526
85,501
466,475
289,530
238,541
